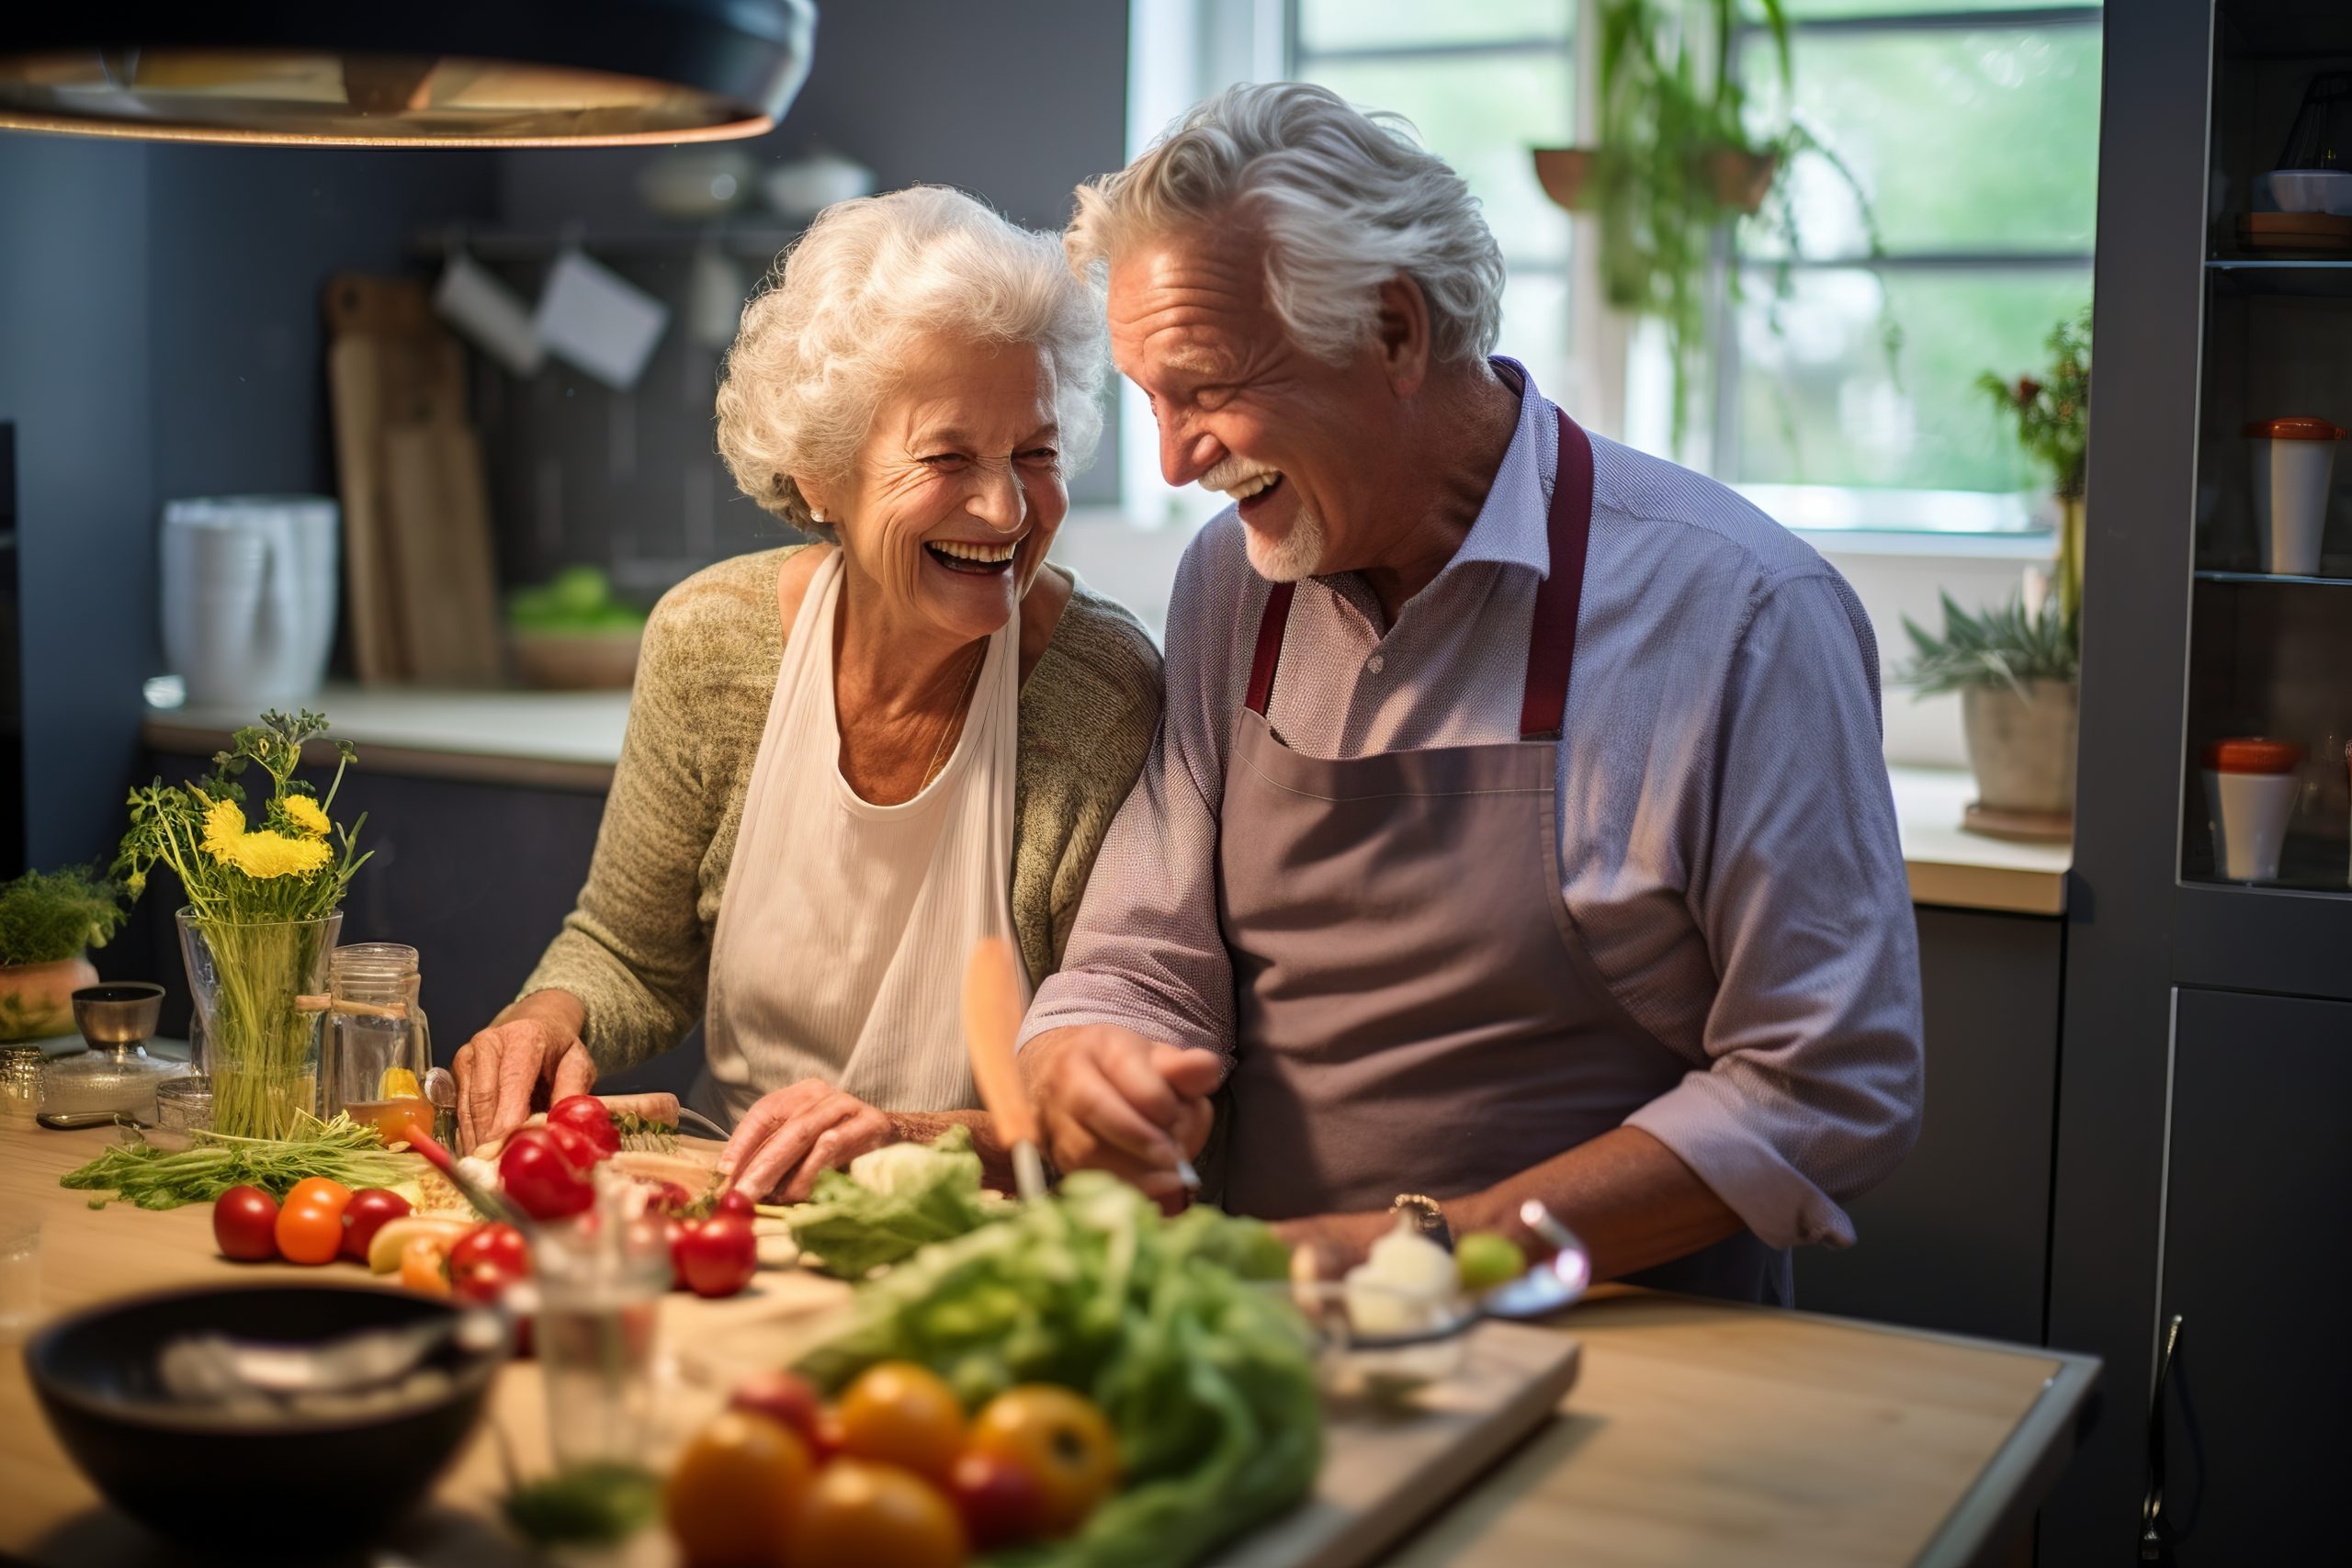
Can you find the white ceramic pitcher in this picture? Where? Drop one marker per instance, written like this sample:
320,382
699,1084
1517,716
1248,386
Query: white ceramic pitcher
249,596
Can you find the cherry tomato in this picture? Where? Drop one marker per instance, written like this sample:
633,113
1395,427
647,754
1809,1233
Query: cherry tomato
424,1267
486,1261
244,1224
310,1233
313,1188
370,1208
737,1202
1061,1438
718,1257
586,1115
1000,1499
785,1398
733,1493
579,1150
899,1413
857,1515
538,1175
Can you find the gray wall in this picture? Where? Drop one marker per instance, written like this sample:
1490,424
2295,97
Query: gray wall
160,336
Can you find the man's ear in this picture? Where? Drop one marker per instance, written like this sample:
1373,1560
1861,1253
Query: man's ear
1401,334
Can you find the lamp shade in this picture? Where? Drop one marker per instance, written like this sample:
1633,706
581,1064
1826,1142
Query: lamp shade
406,72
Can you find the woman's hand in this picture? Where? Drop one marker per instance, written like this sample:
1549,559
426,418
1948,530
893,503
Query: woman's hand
526,1061
788,1136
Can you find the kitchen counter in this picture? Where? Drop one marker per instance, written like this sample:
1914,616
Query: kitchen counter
1699,1433
571,739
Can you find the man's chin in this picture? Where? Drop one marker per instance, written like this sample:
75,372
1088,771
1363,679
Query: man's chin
1294,557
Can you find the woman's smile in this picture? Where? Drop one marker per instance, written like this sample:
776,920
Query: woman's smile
972,558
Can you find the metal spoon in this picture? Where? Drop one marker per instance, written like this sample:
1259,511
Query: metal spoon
1549,1287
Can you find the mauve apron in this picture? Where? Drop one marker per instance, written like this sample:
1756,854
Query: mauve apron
1417,1012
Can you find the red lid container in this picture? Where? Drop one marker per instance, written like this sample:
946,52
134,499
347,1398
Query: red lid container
2253,754
2296,427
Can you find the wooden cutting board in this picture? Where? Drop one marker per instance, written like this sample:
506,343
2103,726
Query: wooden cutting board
445,592
1383,1474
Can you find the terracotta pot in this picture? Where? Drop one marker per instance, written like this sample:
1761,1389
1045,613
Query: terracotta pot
2021,747
37,999
1739,180
1564,172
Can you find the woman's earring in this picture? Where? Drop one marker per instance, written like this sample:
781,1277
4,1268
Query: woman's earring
816,516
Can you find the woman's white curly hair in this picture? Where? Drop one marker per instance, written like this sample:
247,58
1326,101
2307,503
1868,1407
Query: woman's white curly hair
821,345
1346,200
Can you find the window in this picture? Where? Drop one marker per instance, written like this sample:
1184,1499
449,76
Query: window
1482,83
1977,137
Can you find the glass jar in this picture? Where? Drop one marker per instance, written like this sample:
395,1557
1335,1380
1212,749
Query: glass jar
378,1046
20,1069
256,986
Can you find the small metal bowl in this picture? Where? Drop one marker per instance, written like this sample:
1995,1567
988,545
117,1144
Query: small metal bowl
123,1012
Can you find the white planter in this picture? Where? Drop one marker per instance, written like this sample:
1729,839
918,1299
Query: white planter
2021,746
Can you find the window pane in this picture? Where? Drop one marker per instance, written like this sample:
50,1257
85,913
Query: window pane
1806,10
1818,406
1481,115
1980,140
1383,24
1535,329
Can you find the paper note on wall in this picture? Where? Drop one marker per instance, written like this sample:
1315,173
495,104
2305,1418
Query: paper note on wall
598,321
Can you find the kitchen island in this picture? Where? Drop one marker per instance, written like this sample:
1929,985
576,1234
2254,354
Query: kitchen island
1699,1433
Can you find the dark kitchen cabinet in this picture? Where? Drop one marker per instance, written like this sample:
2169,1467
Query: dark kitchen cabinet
2258,1207
1958,1237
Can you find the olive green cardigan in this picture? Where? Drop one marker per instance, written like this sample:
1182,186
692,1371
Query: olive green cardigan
636,951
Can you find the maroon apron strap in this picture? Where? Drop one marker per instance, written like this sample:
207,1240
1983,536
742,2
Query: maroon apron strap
1270,647
1552,637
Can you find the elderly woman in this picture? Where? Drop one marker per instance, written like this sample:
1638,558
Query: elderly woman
848,761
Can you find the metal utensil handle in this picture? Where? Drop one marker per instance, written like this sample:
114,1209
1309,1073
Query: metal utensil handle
2151,1507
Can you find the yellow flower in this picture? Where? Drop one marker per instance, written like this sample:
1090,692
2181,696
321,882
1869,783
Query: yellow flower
304,813
266,854
225,824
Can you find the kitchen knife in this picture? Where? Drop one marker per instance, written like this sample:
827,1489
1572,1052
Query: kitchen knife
992,1020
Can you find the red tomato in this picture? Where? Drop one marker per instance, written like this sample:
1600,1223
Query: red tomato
586,1115
365,1214
999,1498
717,1256
735,1200
541,1178
578,1149
787,1398
310,1233
486,1261
245,1224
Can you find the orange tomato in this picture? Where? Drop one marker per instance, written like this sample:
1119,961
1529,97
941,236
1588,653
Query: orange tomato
319,1189
310,1233
1060,1438
899,1412
735,1491
424,1267
857,1515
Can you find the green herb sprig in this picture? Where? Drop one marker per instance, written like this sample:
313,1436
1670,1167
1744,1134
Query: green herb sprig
140,1174
47,916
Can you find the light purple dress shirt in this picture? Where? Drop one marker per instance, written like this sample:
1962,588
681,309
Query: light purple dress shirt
1728,839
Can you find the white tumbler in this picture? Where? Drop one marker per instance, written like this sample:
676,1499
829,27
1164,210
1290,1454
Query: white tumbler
2292,461
2250,789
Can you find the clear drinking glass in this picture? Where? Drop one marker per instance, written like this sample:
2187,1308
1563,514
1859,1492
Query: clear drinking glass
19,1275
596,1332
378,1046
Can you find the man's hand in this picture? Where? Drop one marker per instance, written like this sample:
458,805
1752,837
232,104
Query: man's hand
1336,1243
1109,1099
524,1063
790,1135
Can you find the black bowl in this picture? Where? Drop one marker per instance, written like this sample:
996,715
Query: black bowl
206,1480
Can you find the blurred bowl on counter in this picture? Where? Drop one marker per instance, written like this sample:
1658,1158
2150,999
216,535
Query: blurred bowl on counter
2312,190
575,662
697,184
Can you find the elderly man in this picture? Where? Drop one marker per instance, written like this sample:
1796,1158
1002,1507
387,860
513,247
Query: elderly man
1517,826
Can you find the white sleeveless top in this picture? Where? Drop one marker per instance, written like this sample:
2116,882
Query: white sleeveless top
844,928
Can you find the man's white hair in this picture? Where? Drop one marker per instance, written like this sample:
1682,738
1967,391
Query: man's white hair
825,340
1346,200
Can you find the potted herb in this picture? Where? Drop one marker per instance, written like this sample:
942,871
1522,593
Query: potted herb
1679,159
2015,667
49,922
263,907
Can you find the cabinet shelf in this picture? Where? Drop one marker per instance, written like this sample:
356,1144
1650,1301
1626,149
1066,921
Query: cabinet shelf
2209,575
2316,276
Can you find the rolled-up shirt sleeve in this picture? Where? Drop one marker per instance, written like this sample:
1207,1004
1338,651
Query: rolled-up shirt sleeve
1146,951
1814,1075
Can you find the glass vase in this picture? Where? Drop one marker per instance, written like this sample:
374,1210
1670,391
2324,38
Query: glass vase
261,995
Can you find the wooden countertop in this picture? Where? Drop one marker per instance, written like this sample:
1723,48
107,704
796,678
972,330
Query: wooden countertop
571,739
1700,1433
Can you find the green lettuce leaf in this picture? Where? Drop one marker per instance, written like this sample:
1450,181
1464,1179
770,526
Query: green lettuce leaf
892,1201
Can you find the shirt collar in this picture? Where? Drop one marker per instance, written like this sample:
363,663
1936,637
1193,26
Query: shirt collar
1513,527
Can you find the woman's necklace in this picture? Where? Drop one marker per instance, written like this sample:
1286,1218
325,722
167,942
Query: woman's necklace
931,770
